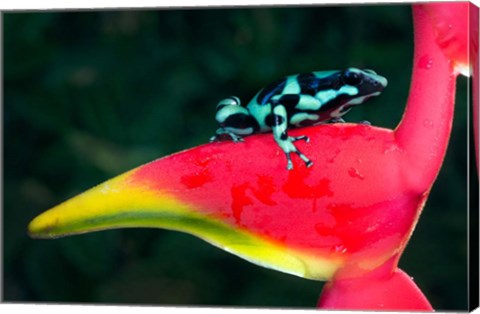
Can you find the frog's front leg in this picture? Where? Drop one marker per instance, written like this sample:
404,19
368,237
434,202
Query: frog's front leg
279,129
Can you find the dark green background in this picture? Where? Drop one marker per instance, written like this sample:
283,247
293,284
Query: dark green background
89,95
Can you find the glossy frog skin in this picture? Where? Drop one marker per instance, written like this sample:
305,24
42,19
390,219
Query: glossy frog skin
296,101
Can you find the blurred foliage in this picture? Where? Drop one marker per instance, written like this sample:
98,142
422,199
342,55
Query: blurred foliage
91,94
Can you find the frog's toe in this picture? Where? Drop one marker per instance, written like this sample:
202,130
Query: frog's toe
365,122
236,138
298,138
289,162
337,120
305,159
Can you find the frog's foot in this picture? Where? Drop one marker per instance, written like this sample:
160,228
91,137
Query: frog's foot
365,122
279,129
214,138
337,120
222,133
286,144
303,137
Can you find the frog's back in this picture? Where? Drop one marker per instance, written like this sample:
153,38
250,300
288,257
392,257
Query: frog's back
298,84
313,82
275,88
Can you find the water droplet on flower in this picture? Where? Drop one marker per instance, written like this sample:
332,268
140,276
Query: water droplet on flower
371,139
428,123
355,174
391,148
340,248
331,159
425,62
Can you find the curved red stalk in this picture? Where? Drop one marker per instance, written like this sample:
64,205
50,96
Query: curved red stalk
425,127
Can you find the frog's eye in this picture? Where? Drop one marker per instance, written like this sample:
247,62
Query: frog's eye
351,78
230,101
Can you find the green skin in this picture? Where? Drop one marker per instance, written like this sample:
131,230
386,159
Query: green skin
296,101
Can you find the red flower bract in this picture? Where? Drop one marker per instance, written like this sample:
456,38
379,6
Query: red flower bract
355,203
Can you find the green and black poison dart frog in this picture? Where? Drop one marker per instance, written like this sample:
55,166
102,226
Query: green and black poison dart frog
296,101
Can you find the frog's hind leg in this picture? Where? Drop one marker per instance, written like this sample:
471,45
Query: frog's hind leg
279,125
235,121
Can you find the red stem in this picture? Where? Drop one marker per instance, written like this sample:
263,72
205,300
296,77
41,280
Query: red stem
425,127
385,288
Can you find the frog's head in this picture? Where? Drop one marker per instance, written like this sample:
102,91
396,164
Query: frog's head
361,84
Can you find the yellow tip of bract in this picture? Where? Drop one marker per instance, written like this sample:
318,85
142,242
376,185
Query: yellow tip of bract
116,203
120,203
